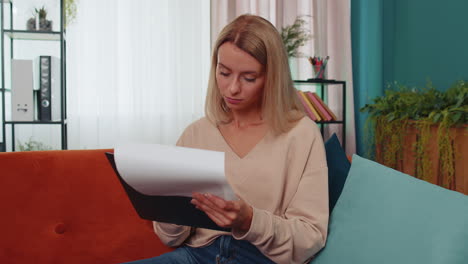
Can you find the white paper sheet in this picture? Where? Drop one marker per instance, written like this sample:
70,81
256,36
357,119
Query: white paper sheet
154,169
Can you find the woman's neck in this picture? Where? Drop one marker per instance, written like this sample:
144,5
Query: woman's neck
246,119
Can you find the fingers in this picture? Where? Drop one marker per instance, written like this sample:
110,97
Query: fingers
219,219
210,200
224,213
217,216
218,203
233,206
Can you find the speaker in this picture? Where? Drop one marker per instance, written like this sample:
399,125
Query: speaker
22,106
49,94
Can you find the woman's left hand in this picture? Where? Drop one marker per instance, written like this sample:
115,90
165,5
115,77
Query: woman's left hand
229,214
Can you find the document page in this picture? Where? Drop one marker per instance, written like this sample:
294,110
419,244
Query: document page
161,170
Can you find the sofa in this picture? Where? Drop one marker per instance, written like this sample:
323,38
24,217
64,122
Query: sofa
68,206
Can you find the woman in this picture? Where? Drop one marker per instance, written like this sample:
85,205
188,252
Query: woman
275,159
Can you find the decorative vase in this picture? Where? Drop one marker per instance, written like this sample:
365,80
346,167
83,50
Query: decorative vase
44,24
293,67
31,24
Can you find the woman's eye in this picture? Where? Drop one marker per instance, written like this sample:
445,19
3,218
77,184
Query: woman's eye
224,73
249,79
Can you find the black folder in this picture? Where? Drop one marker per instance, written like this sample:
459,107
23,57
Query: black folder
167,209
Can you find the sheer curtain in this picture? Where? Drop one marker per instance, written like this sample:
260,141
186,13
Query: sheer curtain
333,28
329,23
136,70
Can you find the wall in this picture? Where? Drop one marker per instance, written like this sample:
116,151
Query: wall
408,41
429,41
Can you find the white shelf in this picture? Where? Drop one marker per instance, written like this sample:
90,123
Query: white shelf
33,35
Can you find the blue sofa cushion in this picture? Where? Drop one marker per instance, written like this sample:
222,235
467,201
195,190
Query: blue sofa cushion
338,168
385,216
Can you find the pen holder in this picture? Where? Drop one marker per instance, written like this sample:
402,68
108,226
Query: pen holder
318,70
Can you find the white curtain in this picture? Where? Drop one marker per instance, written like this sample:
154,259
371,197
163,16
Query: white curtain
329,22
136,70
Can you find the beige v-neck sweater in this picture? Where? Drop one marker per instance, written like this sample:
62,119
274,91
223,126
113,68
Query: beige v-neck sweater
284,178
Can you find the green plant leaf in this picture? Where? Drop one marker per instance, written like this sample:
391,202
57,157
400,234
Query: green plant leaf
400,102
295,36
456,117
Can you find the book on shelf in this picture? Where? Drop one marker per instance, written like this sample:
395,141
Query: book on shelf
320,106
310,111
320,110
315,107
327,109
312,107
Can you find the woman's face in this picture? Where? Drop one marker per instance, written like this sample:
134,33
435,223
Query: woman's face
240,78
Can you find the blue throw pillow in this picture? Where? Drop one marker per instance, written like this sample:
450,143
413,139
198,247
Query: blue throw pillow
338,168
384,216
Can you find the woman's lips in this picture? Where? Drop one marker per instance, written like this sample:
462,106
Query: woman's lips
233,100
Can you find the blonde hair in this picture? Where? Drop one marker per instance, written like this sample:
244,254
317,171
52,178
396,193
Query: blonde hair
259,38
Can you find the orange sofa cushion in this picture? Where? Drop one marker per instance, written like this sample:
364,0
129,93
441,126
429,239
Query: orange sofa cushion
67,206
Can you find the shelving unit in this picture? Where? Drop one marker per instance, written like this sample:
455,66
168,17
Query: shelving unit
13,35
32,35
325,84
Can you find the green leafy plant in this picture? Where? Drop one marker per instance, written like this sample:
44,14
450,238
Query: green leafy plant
295,36
41,12
39,21
32,145
391,115
70,11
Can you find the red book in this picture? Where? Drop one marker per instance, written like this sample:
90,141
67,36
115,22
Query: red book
325,106
306,107
325,115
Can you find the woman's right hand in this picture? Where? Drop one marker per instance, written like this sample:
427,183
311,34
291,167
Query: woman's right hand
229,214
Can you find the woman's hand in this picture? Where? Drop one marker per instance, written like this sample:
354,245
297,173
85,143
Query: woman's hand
230,214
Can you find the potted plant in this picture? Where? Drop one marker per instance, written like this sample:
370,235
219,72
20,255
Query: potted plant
422,132
69,10
32,145
295,36
39,21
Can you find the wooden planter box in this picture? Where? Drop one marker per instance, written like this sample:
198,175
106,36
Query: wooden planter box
408,162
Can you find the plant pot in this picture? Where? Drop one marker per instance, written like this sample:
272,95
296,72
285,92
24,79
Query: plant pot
293,67
44,24
408,161
31,24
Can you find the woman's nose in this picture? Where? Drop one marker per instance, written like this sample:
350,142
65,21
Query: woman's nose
234,86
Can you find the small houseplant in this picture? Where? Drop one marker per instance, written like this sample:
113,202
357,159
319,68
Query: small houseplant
69,11
43,24
32,145
430,115
295,36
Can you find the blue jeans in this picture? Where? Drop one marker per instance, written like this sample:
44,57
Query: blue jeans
224,250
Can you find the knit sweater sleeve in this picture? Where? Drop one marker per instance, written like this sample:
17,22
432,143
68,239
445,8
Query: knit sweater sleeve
301,231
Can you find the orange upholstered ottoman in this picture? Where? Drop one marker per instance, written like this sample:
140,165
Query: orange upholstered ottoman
68,207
